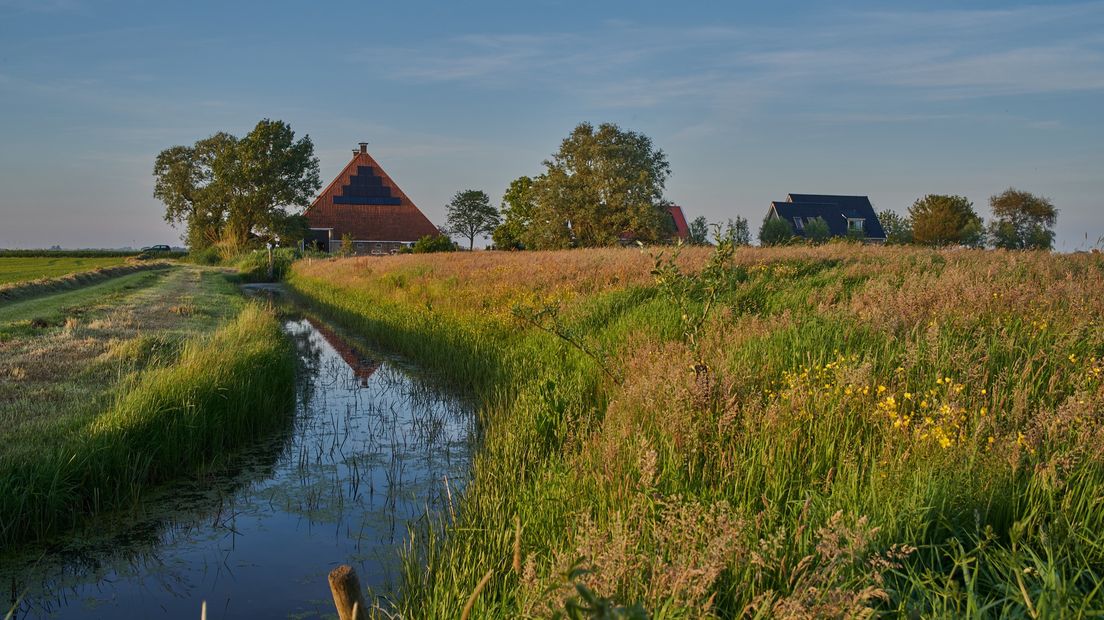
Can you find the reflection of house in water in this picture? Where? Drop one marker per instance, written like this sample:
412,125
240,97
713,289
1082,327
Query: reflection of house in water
363,368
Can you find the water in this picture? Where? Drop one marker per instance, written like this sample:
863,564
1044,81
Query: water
366,454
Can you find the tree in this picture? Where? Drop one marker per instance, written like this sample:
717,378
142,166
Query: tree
945,220
517,212
433,243
230,189
817,230
775,231
1023,221
898,229
470,214
601,183
698,231
346,245
738,231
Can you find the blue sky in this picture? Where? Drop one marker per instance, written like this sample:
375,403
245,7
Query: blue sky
750,101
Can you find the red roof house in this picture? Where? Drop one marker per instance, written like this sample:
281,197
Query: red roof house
364,203
682,231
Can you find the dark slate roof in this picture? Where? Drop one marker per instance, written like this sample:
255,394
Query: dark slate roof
833,209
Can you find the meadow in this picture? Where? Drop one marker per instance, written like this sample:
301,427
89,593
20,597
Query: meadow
791,432
109,388
24,268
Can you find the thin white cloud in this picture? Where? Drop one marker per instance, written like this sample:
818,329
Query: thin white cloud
941,54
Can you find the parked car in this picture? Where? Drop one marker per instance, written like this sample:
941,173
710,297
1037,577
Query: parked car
157,248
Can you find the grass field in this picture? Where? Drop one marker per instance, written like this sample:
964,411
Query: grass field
108,388
22,269
797,432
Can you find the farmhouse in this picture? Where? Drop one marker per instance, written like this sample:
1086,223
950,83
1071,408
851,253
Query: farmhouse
845,215
364,205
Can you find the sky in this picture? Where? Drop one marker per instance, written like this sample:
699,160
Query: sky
749,101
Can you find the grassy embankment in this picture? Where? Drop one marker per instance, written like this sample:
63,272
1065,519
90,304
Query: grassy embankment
109,388
849,428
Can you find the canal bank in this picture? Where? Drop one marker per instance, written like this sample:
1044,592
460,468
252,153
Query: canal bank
367,453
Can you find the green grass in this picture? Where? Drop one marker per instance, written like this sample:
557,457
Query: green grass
53,310
131,382
907,432
23,269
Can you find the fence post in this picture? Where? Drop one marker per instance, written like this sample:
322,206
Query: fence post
348,599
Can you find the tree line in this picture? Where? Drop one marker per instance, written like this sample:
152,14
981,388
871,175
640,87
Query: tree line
1021,221
603,187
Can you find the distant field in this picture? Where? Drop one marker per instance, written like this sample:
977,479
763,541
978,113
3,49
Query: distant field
22,269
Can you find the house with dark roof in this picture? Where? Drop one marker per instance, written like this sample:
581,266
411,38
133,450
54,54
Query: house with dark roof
364,203
845,215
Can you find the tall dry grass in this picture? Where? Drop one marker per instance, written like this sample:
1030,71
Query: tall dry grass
855,429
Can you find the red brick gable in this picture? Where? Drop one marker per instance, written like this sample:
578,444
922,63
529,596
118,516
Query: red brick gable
398,220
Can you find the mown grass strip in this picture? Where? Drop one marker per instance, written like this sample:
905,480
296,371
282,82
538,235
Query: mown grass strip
165,422
24,289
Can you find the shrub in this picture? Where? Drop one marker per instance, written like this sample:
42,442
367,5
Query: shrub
776,231
817,231
434,243
206,256
253,267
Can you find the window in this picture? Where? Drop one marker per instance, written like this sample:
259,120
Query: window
798,224
855,224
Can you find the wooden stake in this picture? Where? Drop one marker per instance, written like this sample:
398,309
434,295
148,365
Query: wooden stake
348,599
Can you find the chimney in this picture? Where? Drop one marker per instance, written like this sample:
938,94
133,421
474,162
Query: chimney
363,147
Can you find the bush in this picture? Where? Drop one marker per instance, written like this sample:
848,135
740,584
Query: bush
206,256
434,243
253,267
776,231
817,231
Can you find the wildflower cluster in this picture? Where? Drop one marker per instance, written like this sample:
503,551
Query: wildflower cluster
932,415
936,414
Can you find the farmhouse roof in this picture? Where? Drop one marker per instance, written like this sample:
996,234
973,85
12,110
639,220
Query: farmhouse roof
834,210
682,231
366,204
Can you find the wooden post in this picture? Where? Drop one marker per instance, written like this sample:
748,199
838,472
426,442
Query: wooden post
348,599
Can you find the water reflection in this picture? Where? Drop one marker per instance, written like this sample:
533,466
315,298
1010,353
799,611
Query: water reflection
365,454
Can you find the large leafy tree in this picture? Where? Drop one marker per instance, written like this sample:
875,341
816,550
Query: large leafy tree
602,182
898,229
1022,221
945,220
470,214
517,212
230,189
